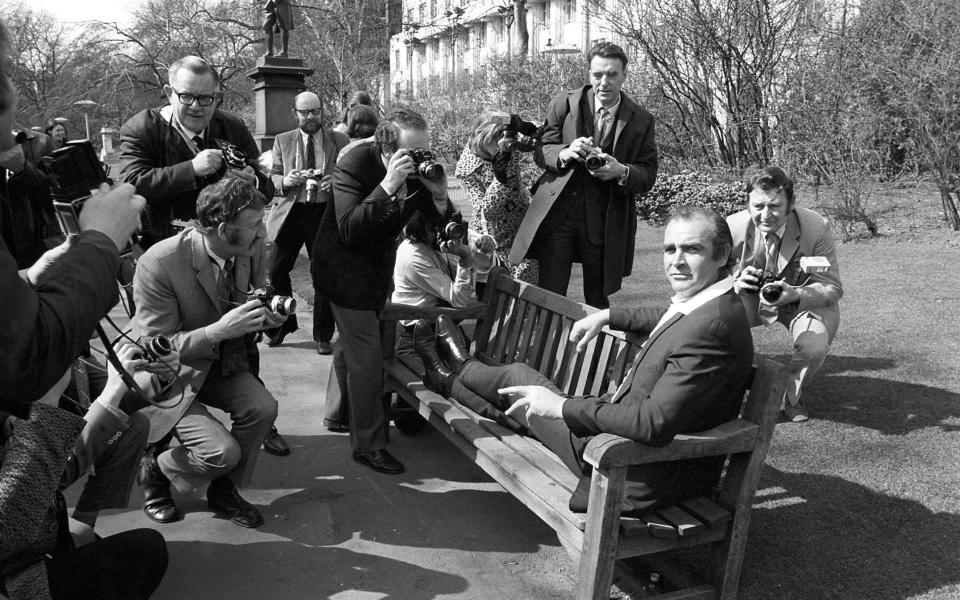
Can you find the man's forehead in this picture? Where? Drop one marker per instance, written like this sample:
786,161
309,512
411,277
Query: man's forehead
602,64
186,80
307,102
771,195
687,232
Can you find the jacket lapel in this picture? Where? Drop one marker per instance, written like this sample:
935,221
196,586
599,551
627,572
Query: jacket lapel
203,265
789,243
627,382
623,117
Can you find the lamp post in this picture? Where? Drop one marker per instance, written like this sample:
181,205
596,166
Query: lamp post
454,14
86,106
506,13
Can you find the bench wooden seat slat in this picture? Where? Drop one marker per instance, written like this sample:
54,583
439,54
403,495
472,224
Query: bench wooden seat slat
521,322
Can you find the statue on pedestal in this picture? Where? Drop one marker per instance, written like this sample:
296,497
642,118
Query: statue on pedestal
278,16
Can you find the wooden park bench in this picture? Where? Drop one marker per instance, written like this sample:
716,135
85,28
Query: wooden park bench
521,322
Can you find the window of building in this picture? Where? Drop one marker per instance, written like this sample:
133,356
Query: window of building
410,15
482,35
546,15
569,10
423,12
433,9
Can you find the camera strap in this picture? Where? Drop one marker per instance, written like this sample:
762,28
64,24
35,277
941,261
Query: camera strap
125,375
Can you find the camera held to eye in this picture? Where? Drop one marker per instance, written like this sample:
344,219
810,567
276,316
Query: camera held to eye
770,293
233,156
427,166
518,136
313,177
19,136
454,230
282,305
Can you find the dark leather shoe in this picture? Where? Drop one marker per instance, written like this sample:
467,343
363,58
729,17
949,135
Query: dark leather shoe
222,496
323,348
275,336
157,503
275,444
451,344
380,461
335,426
437,376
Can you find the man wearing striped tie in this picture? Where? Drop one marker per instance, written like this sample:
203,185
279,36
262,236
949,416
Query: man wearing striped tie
796,246
689,376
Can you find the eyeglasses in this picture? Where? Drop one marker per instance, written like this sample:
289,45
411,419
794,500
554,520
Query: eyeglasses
188,99
309,112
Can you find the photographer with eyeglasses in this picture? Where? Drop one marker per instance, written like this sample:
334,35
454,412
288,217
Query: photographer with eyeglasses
171,153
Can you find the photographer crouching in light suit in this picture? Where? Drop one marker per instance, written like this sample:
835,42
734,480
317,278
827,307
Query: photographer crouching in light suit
194,288
788,272
46,315
377,186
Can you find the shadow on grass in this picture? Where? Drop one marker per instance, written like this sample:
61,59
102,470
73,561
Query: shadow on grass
292,571
818,536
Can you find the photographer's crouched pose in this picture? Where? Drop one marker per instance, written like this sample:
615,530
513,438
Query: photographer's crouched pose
193,288
690,375
773,237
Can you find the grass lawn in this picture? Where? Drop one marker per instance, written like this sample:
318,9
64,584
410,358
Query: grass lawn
863,501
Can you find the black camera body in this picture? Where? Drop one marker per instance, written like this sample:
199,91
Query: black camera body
770,294
233,156
282,305
519,136
426,165
454,230
74,170
19,136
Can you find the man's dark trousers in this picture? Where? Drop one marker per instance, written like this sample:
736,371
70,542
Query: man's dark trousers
299,228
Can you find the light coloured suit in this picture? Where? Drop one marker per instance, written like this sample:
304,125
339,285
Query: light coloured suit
814,320
175,290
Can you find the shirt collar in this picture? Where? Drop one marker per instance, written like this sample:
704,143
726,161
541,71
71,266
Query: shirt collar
306,136
219,261
703,296
612,110
167,112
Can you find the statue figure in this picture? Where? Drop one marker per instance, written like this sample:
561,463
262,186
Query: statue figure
278,16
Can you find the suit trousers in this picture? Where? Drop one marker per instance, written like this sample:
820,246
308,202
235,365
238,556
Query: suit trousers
477,378
207,450
111,480
566,242
811,343
357,360
299,228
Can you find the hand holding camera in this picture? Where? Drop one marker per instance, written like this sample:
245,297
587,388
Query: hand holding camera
603,166
207,162
773,290
312,178
139,361
399,167
249,317
578,150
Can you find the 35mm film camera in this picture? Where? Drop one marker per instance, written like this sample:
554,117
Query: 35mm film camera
518,136
282,305
233,156
426,165
455,230
313,177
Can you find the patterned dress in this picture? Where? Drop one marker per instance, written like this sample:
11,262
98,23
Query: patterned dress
498,208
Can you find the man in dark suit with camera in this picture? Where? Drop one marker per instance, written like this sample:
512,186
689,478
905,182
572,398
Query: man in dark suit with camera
170,154
377,187
598,151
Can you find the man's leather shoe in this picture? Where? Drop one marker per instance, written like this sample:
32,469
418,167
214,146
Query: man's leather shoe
796,413
323,348
451,344
275,444
437,375
380,461
222,496
157,503
275,336
336,426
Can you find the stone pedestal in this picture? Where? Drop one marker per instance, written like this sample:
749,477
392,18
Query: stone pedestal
276,82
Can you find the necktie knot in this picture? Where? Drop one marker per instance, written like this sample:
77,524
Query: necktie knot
198,141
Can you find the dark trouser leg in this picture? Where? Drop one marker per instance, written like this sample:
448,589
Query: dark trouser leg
484,381
286,249
125,566
110,484
592,256
359,350
323,323
557,249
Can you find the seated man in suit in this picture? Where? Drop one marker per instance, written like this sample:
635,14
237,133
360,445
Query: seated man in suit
193,289
689,376
773,235
170,154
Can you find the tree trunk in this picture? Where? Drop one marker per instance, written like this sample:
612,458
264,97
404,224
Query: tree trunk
523,35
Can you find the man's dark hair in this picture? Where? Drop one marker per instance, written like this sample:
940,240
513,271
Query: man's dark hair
195,65
721,238
223,201
771,178
357,98
7,92
423,222
362,121
388,131
607,50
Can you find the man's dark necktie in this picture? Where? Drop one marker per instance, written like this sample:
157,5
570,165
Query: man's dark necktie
233,352
603,126
199,142
311,154
768,314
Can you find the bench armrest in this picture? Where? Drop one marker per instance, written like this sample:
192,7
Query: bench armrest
606,450
398,312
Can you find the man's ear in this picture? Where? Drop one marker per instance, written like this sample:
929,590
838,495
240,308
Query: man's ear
168,92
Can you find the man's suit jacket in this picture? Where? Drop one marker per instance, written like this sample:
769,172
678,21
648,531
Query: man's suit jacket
611,218
156,159
175,291
689,376
807,234
288,155
356,246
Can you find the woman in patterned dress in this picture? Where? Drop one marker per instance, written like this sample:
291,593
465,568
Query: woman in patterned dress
492,179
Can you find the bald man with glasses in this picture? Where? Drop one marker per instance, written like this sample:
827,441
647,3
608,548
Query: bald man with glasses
171,153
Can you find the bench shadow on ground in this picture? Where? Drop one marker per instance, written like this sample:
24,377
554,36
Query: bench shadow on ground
818,536
840,393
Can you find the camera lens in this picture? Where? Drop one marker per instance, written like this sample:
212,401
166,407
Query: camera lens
455,231
431,170
283,305
771,293
594,162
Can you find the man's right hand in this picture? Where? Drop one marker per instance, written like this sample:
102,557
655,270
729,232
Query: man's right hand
113,212
399,167
747,280
291,181
207,162
588,328
577,150
246,318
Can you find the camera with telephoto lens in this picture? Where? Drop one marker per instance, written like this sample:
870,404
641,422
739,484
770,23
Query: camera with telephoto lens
282,305
770,294
74,171
313,177
157,347
427,167
233,156
454,230
518,136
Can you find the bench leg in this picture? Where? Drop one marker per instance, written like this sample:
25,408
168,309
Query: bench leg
601,534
